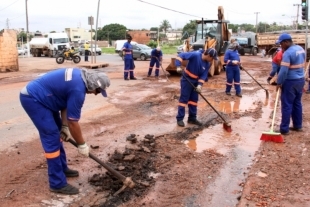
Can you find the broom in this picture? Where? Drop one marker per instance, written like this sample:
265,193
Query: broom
271,135
226,125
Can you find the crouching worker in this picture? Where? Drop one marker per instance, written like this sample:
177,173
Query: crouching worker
197,72
156,59
54,102
276,65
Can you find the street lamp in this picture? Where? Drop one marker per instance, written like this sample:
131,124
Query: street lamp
126,32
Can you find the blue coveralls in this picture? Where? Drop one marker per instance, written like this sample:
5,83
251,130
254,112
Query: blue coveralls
197,72
128,61
156,56
232,71
47,96
291,77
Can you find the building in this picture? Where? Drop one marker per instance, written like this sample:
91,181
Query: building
139,36
8,51
173,35
78,34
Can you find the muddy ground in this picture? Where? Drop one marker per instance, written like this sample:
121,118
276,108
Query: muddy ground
134,131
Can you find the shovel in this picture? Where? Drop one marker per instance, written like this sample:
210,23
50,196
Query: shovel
127,181
162,69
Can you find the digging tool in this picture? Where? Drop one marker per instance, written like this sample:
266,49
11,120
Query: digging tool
127,181
163,69
267,93
271,135
226,125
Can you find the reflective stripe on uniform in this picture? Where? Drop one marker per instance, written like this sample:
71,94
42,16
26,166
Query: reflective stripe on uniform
192,103
52,155
68,74
190,74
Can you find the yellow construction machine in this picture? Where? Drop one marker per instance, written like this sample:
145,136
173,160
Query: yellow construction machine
209,34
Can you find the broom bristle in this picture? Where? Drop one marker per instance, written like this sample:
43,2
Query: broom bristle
272,136
227,127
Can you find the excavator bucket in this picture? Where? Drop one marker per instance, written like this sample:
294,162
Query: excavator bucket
172,69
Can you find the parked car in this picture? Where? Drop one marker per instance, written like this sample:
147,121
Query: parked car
141,51
21,51
120,43
92,49
180,49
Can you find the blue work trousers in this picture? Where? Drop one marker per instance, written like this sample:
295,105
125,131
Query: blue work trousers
153,62
275,69
48,123
233,75
128,68
291,104
188,97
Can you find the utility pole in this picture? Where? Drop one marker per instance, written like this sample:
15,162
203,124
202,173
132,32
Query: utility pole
27,29
96,30
7,23
256,19
298,5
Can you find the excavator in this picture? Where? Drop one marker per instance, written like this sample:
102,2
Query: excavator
209,34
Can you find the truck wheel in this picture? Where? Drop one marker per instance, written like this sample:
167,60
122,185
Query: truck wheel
217,67
211,70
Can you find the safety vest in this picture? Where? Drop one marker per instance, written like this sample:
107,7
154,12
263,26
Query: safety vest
86,46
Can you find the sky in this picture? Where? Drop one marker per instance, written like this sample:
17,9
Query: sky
55,15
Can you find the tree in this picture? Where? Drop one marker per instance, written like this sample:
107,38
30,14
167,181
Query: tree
22,36
52,31
165,25
154,29
189,28
112,32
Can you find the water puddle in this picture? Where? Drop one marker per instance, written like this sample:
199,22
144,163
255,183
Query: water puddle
239,146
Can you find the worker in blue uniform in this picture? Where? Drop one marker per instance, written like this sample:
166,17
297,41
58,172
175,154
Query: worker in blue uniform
232,61
197,72
156,59
129,64
54,102
291,81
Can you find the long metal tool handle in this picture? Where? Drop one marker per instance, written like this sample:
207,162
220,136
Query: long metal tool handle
205,99
274,111
111,170
253,78
163,69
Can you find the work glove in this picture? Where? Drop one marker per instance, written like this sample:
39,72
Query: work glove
235,62
65,133
179,70
198,89
268,80
83,149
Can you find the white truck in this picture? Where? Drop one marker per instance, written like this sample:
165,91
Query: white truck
48,46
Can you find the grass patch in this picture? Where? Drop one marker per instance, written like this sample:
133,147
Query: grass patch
168,50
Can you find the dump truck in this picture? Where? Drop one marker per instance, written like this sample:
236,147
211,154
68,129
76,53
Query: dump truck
267,41
247,43
48,46
209,34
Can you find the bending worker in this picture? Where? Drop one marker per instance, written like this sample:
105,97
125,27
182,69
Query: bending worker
291,80
232,61
276,65
54,102
129,65
197,72
156,59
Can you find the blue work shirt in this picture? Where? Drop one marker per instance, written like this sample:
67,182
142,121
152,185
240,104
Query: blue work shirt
196,68
156,54
231,55
60,89
292,65
127,48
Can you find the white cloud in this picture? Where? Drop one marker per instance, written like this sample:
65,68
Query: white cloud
59,14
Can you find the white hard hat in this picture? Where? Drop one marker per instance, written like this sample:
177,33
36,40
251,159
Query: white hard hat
158,48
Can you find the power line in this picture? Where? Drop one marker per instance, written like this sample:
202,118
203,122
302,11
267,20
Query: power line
168,9
9,5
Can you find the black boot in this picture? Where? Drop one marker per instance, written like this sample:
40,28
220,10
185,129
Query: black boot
181,123
196,122
71,173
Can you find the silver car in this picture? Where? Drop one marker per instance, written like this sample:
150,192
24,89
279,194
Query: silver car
141,51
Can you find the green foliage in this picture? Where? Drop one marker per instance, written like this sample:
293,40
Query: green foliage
112,32
22,36
152,44
165,25
189,28
52,31
154,29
